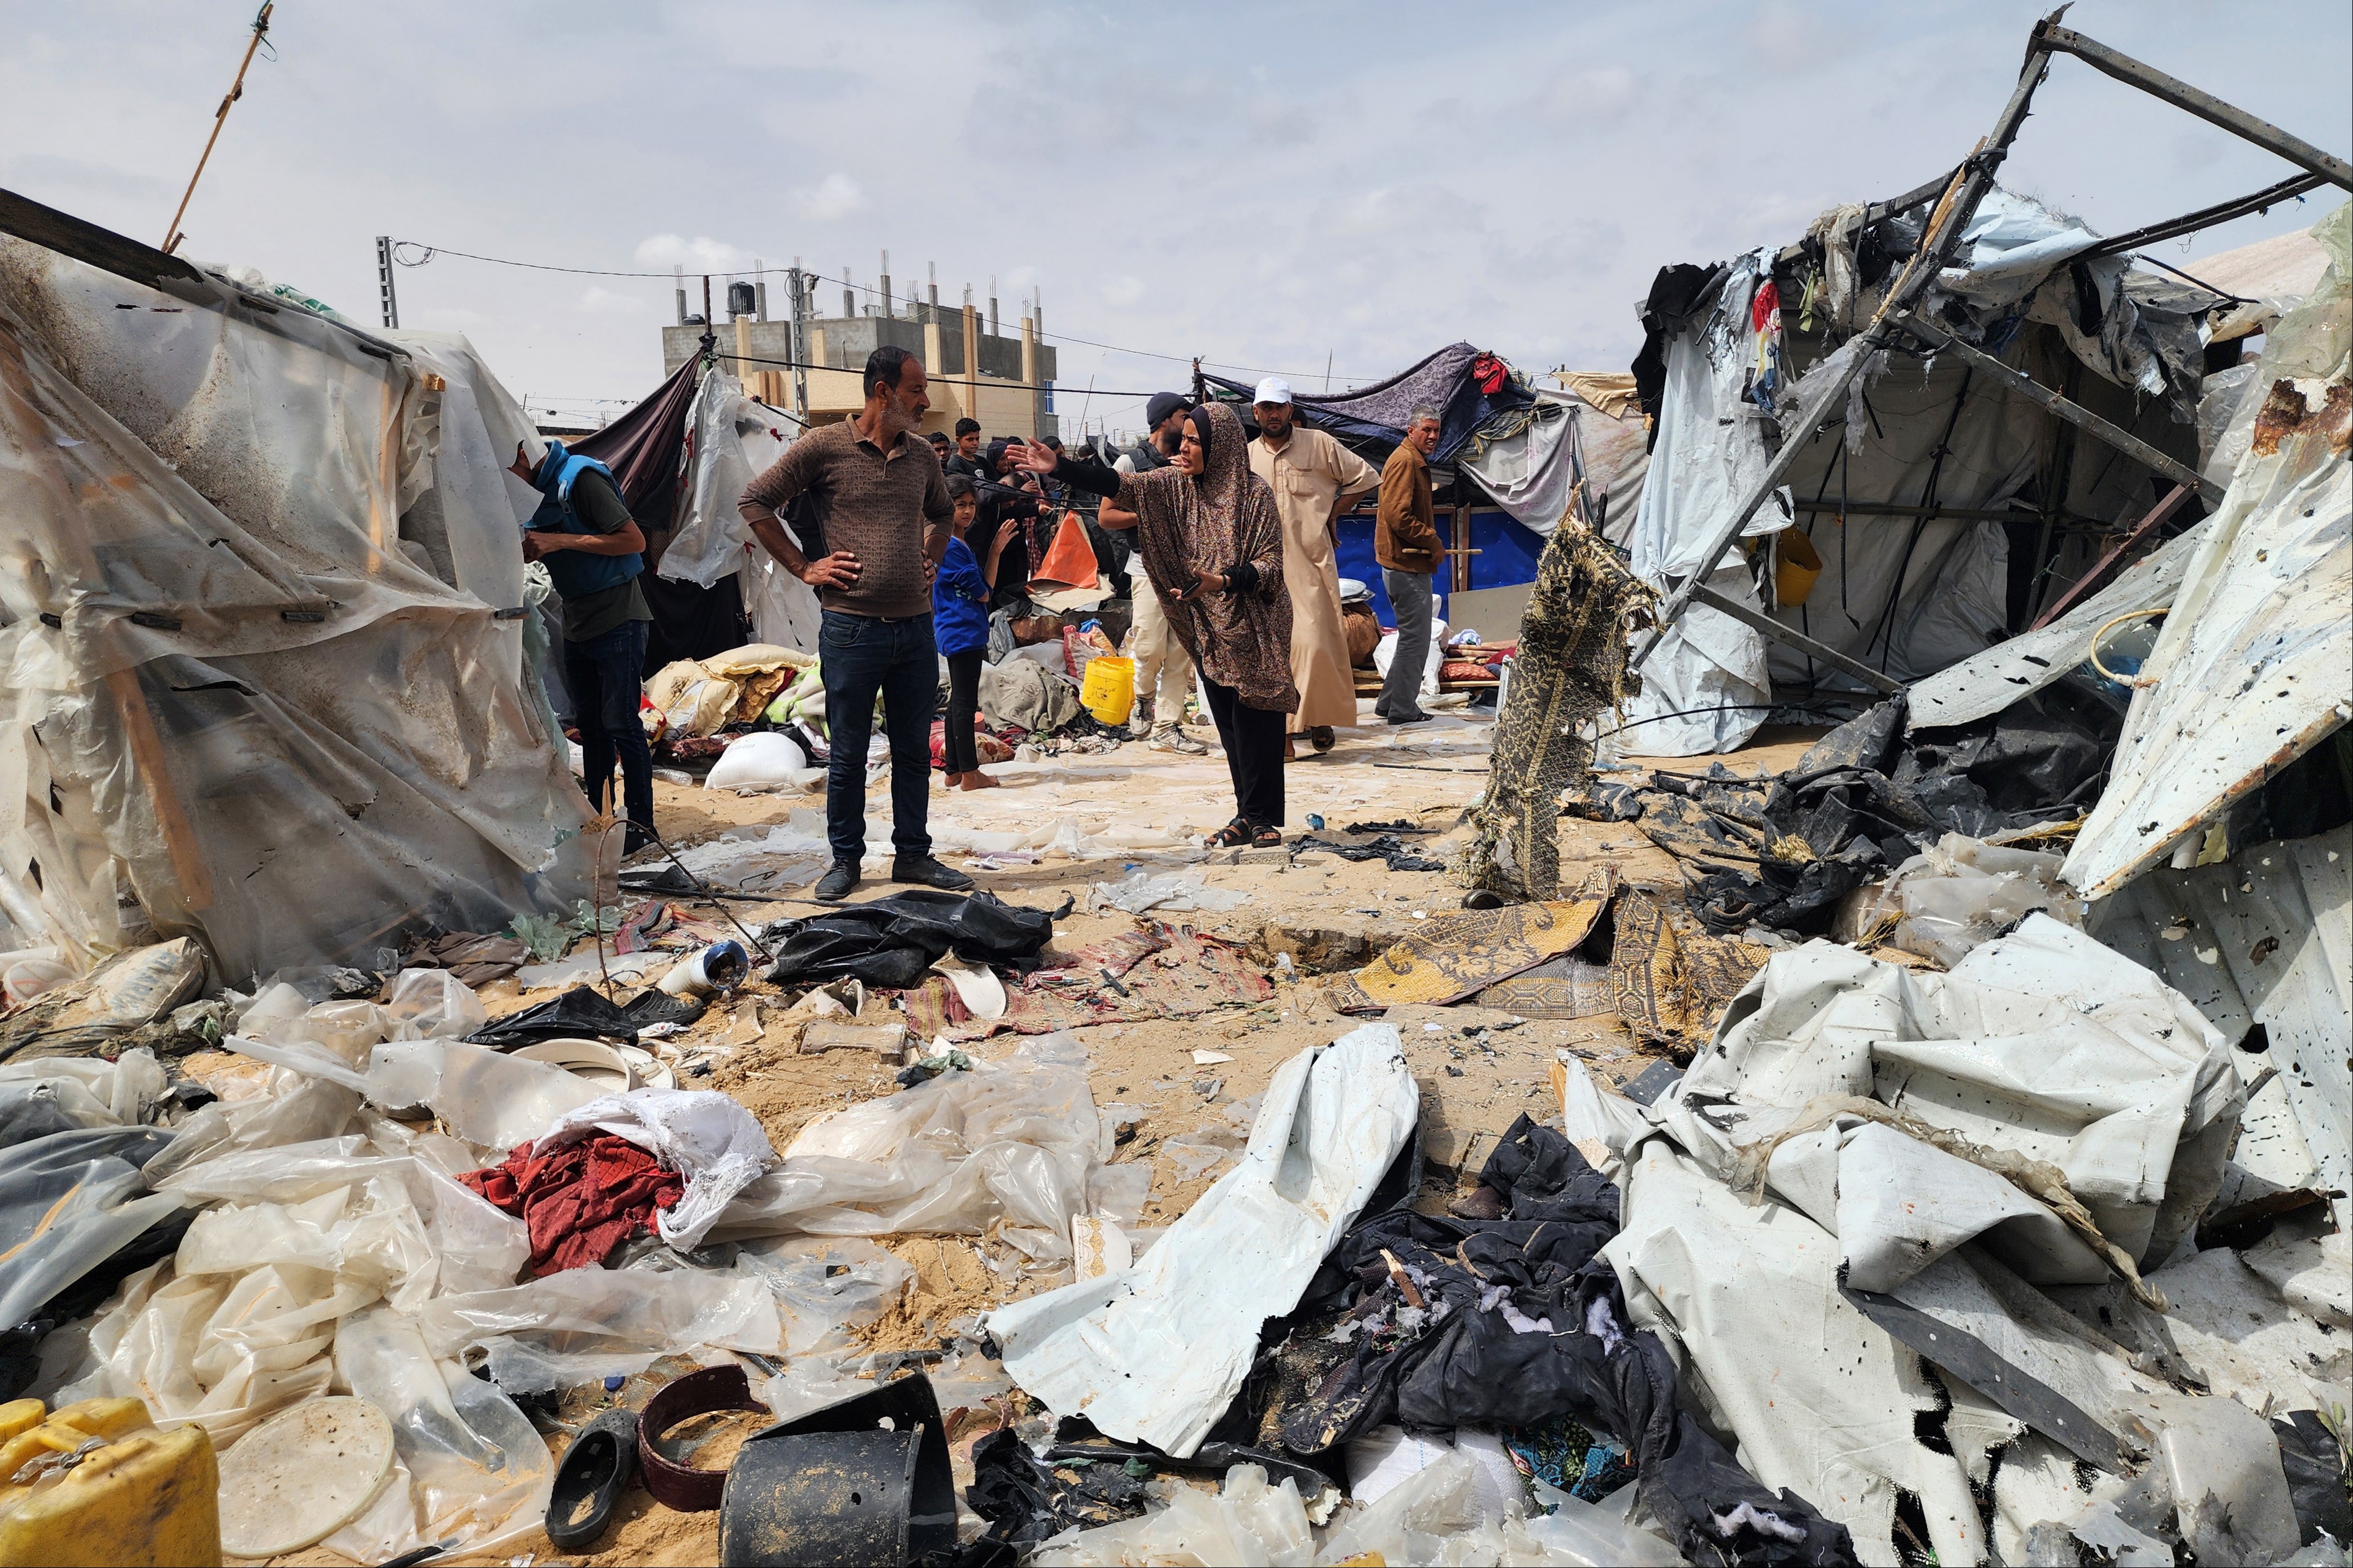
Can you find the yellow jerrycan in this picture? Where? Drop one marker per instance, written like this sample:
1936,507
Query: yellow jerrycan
97,1482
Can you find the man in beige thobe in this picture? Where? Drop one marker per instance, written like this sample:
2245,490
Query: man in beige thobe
1313,478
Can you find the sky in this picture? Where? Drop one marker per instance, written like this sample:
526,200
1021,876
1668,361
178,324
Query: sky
1272,188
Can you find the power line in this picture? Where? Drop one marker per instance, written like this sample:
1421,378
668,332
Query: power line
430,251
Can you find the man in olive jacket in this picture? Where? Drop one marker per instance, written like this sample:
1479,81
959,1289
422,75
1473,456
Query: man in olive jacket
1405,543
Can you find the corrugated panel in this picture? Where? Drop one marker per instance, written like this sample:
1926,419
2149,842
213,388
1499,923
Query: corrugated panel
2254,667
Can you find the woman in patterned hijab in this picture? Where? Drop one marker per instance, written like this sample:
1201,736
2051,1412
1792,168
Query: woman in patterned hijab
1212,547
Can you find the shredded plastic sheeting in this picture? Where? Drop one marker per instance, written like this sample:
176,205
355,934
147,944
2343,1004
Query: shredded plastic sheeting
1155,1352
275,702
1013,1143
2254,665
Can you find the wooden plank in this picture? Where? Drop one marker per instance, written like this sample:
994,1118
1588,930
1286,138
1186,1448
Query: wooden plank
1819,652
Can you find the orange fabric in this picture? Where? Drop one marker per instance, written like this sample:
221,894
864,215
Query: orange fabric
1070,559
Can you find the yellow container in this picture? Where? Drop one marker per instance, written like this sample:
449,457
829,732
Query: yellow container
1797,564
1109,690
133,1495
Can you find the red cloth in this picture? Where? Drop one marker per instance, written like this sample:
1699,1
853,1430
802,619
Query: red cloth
581,1202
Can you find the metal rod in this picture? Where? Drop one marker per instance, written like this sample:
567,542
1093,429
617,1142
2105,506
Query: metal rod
2205,106
2090,580
220,118
1970,183
2206,217
1789,638
2083,418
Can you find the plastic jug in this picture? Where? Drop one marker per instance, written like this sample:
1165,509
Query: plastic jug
1109,690
97,1482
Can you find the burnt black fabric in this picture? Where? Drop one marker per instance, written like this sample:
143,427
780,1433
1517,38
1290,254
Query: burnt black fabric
1676,294
1469,1367
1868,795
1389,848
690,622
580,1013
643,446
890,941
2313,1464
1027,1501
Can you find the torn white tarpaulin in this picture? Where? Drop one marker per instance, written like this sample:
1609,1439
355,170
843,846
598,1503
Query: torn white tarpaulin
2254,665
1156,1352
2041,1044
2262,942
707,1137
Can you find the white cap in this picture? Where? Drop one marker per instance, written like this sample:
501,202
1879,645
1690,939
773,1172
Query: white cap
1273,389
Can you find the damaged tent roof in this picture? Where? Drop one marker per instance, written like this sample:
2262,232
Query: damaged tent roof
267,619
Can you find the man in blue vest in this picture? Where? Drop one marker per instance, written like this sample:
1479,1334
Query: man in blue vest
592,547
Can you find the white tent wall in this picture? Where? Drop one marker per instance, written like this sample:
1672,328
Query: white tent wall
1532,472
731,438
258,572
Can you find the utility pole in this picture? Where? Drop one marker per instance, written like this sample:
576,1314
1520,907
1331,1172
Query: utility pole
171,235
794,281
383,281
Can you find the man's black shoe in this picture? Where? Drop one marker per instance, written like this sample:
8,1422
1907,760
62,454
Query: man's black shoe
928,872
835,885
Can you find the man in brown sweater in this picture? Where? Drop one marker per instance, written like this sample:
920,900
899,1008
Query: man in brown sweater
882,508
1405,543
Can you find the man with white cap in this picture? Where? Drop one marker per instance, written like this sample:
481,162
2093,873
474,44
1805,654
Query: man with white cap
1315,478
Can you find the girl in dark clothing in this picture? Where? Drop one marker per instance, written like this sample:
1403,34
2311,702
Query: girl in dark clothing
960,627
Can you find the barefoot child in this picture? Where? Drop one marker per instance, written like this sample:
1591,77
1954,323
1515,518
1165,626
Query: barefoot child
960,624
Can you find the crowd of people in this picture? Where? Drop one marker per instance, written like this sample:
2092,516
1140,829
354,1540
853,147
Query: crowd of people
911,543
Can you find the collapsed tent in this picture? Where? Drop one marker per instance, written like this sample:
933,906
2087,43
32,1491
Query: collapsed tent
268,629
1941,508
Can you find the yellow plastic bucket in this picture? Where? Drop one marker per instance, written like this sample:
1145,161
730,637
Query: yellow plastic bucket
1797,563
1109,690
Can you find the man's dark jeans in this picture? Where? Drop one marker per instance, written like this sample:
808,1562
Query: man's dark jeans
606,676
862,656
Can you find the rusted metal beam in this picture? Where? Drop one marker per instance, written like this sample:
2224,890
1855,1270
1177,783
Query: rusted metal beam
1787,637
2090,580
2205,106
2075,414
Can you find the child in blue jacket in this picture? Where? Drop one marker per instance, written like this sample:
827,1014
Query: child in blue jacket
960,595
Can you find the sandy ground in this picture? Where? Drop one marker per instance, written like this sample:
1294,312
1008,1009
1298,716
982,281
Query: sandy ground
1478,1069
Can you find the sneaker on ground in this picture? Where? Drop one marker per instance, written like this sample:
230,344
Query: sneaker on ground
1170,737
927,872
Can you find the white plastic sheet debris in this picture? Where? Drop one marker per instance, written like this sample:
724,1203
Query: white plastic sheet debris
1173,893
1964,892
2042,1043
707,1137
824,1286
667,1309
470,1469
1155,1352
1013,1143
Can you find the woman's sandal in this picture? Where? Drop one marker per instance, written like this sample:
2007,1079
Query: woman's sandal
1232,836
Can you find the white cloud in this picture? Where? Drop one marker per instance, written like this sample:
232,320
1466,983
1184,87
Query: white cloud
700,254
833,198
1124,289
600,301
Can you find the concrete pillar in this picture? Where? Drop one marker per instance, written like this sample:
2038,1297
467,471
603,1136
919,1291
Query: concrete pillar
1030,379
971,359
